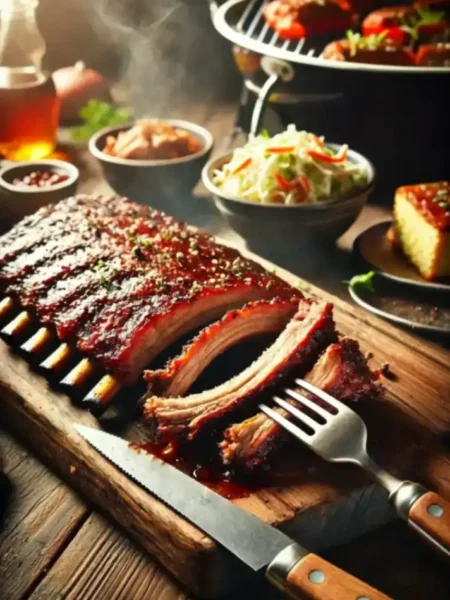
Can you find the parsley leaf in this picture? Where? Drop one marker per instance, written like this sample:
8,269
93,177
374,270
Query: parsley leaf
364,281
97,115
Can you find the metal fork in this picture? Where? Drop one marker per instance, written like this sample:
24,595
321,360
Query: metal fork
340,435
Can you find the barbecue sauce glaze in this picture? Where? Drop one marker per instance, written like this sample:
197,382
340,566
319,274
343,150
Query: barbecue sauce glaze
219,482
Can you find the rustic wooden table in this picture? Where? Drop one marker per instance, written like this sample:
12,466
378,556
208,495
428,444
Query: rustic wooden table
53,545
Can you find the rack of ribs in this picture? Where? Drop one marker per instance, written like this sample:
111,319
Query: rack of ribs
342,371
297,347
120,282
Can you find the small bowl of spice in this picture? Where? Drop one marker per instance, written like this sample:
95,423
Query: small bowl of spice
26,186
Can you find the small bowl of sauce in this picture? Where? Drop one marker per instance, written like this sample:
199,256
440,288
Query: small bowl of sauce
26,186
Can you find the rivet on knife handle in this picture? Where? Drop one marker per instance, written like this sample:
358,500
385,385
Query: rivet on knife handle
427,513
313,578
430,517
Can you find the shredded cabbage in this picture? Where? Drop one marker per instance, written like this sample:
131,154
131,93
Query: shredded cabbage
292,167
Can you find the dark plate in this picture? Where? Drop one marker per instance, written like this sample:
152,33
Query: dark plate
424,310
373,247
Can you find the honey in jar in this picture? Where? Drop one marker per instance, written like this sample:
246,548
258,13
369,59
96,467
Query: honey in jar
29,106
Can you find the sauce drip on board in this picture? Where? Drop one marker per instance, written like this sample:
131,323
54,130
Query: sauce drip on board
219,482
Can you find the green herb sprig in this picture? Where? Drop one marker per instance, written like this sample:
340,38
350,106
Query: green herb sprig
424,17
95,116
360,42
363,281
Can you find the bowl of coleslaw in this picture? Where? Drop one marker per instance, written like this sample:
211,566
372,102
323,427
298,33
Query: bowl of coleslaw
294,185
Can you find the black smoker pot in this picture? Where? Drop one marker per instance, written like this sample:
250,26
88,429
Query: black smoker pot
399,117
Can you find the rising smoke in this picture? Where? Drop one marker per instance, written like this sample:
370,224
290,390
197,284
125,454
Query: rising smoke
170,54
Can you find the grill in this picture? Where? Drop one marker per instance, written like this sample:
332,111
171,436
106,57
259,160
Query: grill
242,22
396,116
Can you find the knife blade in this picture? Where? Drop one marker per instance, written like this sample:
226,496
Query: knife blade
290,567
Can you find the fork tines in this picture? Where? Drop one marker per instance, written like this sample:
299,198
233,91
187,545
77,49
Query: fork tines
336,404
309,415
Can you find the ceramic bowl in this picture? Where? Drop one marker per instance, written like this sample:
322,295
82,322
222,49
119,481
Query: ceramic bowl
293,225
162,184
17,201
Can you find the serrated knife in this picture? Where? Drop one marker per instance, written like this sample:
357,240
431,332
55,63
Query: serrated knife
290,567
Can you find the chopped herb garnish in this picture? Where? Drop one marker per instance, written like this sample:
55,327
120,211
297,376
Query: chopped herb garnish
163,287
104,273
196,287
99,265
362,281
360,42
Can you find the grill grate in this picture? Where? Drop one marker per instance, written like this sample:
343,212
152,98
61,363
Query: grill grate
253,25
242,22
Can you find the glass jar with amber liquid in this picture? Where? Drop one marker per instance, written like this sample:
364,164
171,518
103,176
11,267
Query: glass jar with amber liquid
29,106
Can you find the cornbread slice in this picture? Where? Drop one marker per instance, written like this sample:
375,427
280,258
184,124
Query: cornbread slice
422,227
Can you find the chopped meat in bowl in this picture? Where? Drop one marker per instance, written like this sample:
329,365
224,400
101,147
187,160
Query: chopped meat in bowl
152,139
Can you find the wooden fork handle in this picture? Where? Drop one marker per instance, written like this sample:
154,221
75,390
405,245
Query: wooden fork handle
429,517
313,578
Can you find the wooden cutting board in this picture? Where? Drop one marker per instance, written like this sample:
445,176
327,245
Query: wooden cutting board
317,503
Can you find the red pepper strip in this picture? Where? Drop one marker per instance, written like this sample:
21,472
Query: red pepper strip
280,149
242,166
284,183
328,159
305,183
395,33
318,141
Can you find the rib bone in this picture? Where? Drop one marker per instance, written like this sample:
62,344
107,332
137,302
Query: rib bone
6,305
79,374
102,394
57,359
18,325
38,341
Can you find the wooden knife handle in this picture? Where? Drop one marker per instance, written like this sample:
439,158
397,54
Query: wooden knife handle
429,517
313,578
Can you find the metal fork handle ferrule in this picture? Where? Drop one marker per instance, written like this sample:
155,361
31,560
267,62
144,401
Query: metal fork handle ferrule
405,496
